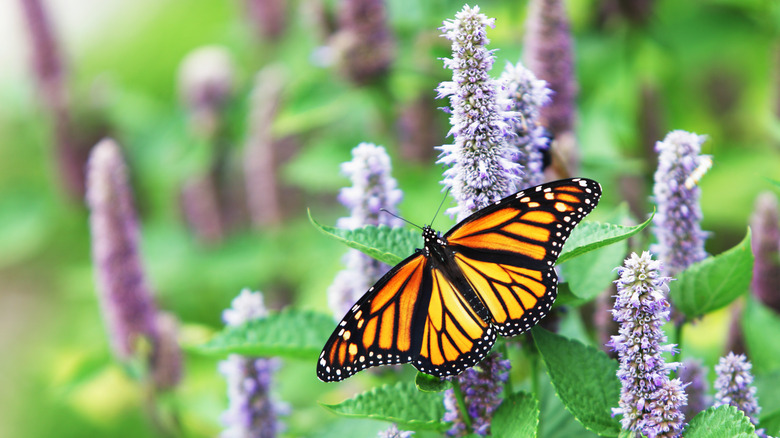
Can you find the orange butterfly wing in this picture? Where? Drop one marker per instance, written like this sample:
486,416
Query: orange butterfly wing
507,251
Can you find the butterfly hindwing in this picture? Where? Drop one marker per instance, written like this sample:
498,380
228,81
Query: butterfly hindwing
454,336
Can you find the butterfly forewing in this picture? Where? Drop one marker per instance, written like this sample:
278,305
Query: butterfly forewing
515,278
380,328
497,263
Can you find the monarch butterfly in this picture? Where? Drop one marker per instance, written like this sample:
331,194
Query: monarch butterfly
441,308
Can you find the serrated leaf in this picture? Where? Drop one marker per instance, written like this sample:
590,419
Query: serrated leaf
588,236
554,420
290,333
429,383
584,378
388,245
516,417
401,403
760,326
714,282
721,422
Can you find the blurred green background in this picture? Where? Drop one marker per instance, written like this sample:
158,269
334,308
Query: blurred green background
710,67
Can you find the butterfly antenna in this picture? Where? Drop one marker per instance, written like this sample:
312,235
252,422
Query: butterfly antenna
399,217
446,192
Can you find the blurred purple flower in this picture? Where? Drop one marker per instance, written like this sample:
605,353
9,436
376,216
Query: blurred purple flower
206,84
262,152
677,225
363,43
393,432
167,357
524,95
694,377
124,291
481,387
267,17
548,53
480,167
734,385
650,402
766,249
252,411
373,188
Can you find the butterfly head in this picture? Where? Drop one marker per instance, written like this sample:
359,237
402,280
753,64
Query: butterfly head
430,235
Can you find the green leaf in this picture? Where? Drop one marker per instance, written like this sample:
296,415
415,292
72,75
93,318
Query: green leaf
401,403
723,421
589,276
518,416
429,383
714,282
566,297
584,378
588,236
760,326
289,333
554,420
769,422
388,245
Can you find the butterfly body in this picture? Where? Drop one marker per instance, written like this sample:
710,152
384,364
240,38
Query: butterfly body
441,308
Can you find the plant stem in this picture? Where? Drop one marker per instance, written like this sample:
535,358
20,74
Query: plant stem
464,412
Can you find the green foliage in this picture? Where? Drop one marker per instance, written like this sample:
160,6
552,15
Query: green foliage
388,245
401,403
760,326
589,236
289,333
721,422
427,383
516,417
584,379
714,282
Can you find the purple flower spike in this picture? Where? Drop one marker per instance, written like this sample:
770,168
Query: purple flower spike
252,411
677,225
481,387
480,167
393,432
524,95
650,402
124,291
766,248
372,189
734,385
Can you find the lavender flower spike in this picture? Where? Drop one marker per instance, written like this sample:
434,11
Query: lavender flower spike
480,169
677,225
649,401
124,292
481,387
524,95
252,412
372,190
733,385
393,432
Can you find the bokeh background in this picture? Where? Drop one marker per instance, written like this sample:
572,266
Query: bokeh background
643,68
